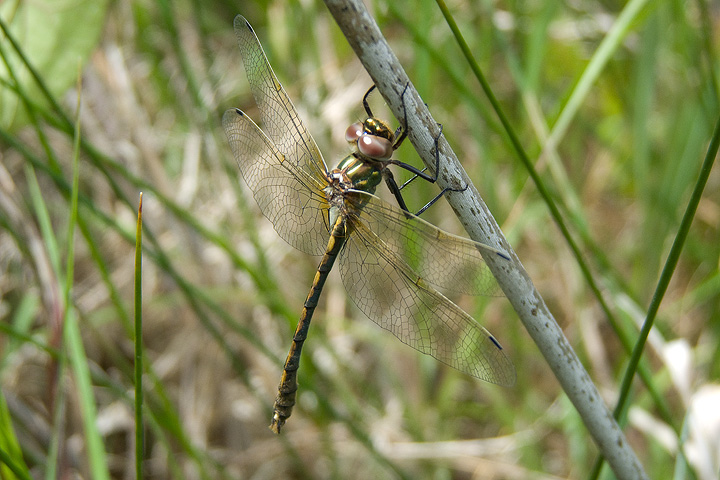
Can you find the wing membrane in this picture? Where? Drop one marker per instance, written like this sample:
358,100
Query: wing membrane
446,261
278,117
391,293
281,163
292,201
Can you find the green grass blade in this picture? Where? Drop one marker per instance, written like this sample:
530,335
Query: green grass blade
12,464
139,424
668,270
73,338
608,47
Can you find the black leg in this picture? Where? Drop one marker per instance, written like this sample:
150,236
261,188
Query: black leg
400,135
425,176
395,190
365,102
401,132
421,173
439,196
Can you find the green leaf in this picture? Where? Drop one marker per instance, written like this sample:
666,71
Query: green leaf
55,37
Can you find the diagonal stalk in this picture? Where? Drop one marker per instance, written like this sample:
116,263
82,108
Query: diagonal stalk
385,70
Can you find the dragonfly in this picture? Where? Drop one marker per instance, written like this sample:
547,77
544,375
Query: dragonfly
391,261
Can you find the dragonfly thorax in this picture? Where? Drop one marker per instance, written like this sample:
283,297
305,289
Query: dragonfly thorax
355,172
353,175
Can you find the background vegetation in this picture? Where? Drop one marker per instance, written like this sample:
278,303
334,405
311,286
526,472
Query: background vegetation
222,292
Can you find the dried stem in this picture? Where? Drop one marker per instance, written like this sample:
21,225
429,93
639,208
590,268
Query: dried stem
384,68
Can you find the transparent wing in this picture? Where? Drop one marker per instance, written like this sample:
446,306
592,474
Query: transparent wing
399,299
444,260
278,117
293,201
281,164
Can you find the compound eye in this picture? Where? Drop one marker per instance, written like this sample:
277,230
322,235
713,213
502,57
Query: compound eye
354,132
375,147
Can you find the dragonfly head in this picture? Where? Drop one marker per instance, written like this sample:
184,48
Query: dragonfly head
378,128
373,138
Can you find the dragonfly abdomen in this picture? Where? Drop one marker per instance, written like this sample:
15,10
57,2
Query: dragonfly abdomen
287,389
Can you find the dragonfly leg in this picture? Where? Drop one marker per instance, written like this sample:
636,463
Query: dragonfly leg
417,173
401,132
422,173
365,102
400,135
439,196
395,190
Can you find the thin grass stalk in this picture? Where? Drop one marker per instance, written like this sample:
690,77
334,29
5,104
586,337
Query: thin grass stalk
667,273
139,424
609,45
73,339
56,403
12,465
11,459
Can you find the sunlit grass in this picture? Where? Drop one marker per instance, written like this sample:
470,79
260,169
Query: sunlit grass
222,292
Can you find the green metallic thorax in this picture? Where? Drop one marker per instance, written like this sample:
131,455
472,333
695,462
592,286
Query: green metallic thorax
364,174
354,172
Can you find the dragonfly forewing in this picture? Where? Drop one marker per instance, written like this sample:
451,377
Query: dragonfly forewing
399,299
278,117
